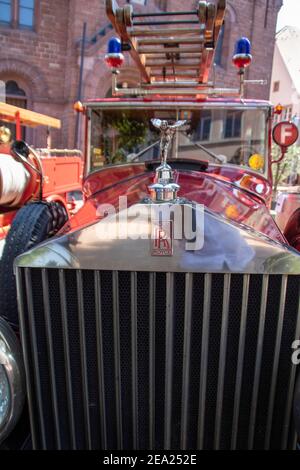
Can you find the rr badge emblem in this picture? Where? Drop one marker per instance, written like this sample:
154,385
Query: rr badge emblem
162,238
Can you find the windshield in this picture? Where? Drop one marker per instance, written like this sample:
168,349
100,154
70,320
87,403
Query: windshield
219,135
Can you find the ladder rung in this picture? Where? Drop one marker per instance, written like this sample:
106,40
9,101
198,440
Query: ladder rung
154,65
169,50
185,73
175,77
163,57
159,23
160,41
170,32
163,32
165,13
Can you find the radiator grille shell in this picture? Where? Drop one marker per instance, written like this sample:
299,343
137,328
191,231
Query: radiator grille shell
141,360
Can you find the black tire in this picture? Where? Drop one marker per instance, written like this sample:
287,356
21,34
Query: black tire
33,224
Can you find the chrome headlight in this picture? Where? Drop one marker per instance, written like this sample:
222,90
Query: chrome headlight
12,390
4,396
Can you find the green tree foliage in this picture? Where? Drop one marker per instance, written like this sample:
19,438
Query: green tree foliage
287,168
130,134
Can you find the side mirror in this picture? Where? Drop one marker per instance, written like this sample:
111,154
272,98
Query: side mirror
285,134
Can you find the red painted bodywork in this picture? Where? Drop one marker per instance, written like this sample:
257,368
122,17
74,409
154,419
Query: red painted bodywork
6,219
292,230
249,181
61,176
216,188
287,202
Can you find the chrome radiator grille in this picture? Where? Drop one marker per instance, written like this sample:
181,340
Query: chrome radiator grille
139,360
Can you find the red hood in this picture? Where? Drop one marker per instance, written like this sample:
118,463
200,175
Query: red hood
215,192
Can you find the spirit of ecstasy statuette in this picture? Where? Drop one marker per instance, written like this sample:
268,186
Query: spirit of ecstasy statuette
164,189
167,132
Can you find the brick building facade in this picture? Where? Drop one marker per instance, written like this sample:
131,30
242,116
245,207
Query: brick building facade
40,53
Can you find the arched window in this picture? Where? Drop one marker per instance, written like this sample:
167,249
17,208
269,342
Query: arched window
17,97
14,94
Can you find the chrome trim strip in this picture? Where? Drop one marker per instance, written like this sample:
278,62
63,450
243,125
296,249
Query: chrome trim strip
258,359
100,365
24,351
134,362
222,360
33,340
186,358
11,362
239,105
204,359
65,329
241,353
291,388
276,361
116,322
152,297
169,359
295,441
87,158
50,349
84,378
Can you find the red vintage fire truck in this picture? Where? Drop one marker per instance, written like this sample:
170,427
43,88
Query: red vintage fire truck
165,314
36,188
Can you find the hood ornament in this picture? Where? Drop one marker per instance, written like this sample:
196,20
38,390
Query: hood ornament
164,189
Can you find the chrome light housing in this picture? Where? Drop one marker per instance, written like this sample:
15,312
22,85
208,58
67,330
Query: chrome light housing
12,383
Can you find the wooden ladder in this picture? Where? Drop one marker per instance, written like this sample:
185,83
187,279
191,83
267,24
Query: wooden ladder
170,49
